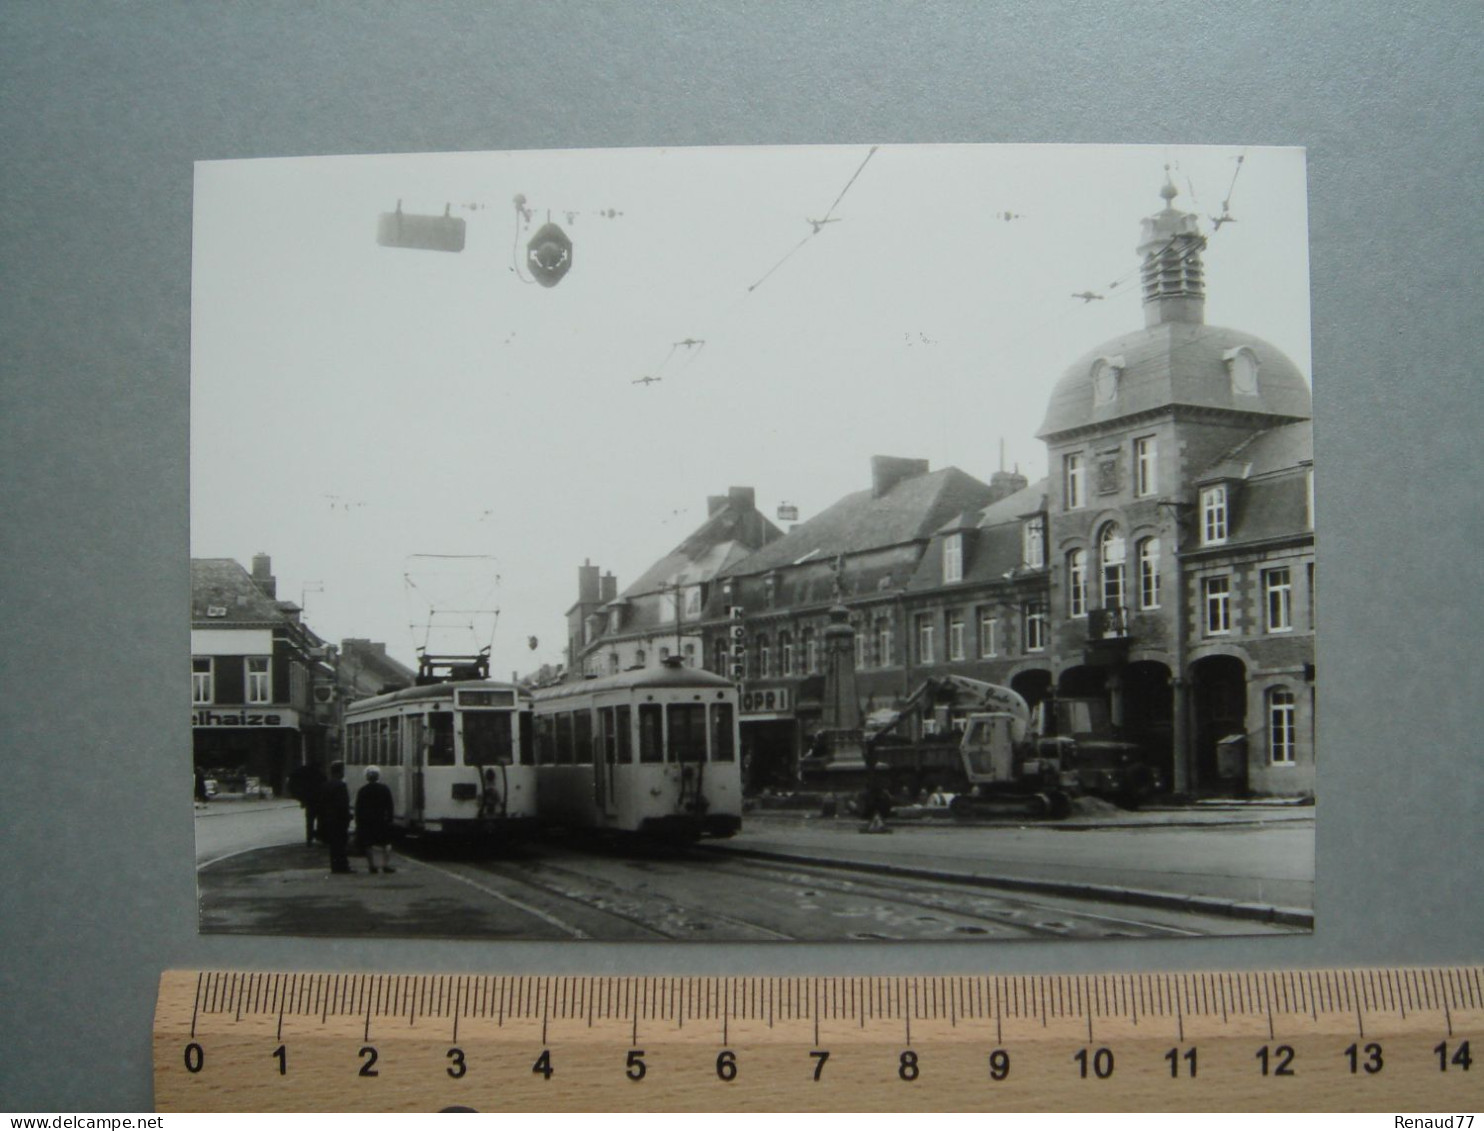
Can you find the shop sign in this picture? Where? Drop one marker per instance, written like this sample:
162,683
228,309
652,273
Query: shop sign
768,700
243,717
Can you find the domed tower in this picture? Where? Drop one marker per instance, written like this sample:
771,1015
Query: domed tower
1131,428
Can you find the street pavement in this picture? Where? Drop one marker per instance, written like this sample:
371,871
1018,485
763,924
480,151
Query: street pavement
227,827
1246,866
1250,862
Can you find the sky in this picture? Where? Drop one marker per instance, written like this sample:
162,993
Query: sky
429,444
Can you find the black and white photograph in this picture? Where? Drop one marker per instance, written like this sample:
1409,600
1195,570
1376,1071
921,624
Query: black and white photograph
836,543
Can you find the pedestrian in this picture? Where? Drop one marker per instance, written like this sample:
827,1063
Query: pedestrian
374,810
306,784
334,818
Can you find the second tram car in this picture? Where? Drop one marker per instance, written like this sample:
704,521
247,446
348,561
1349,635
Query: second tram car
457,756
653,752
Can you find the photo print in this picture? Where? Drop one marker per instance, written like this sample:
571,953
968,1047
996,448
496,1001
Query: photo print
737,544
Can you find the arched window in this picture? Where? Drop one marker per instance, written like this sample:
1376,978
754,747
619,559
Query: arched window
1281,733
1149,573
764,657
1077,583
639,657
811,652
719,656
785,653
1111,551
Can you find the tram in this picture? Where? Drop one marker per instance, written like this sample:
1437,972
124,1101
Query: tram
652,752
456,752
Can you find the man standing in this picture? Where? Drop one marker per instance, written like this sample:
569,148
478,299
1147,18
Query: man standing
374,811
334,816
306,784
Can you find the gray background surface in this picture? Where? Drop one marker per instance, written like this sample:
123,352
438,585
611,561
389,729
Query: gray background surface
103,109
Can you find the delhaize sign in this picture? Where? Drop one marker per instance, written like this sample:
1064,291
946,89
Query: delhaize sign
244,717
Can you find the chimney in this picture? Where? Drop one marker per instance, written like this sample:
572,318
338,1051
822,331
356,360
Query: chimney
262,575
1003,484
587,583
608,589
888,471
714,503
742,498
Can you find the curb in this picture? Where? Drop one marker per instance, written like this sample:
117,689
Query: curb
1208,905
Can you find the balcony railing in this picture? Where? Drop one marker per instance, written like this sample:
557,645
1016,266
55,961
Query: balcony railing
1107,624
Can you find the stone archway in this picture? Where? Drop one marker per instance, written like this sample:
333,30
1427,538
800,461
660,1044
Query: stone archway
1149,714
1219,709
1032,685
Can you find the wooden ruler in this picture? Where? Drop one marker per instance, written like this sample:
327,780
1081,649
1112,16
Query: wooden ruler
1395,1039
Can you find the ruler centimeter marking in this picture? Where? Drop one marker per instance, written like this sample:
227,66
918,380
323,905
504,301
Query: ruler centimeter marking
1372,1039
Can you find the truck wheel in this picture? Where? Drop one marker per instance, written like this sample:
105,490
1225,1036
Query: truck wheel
1061,806
961,808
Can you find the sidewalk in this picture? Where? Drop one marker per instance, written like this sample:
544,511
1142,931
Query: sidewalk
1220,863
219,806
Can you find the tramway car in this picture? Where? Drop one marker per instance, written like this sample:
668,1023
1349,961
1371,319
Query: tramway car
457,756
653,751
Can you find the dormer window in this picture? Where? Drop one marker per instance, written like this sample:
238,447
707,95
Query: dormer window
1213,515
1033,537
1105,374
953,558
615,618
1242,366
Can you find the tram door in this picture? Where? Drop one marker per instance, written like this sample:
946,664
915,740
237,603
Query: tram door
418,737
604,758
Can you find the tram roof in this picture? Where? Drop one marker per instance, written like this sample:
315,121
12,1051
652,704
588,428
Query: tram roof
647,677
435,691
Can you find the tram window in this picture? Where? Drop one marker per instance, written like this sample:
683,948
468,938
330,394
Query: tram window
545,741
488,739
383,739
564,738
440,751
651,733
584,736
722,747
527,752
414,736
606,737
687,732
621,729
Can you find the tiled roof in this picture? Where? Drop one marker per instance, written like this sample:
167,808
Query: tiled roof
725,538
993,549
1272,449
222,583
1012,508
911,510
1177,363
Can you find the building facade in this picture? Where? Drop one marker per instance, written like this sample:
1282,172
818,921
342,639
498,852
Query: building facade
1165,566
262,684
660,615
1180,535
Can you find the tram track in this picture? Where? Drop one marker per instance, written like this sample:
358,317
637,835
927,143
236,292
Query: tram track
652,894
656,915
962,901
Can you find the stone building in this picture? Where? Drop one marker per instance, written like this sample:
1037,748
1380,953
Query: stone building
1180,534
256,671
660,614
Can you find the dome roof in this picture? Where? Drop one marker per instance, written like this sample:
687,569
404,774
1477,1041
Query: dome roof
1177,363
